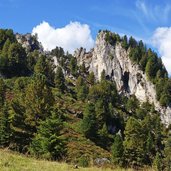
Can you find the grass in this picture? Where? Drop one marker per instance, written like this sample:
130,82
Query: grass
10,161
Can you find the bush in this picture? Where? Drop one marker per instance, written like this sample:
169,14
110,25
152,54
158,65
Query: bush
84,161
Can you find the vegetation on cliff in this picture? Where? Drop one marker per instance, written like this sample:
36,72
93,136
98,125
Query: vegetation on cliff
68,115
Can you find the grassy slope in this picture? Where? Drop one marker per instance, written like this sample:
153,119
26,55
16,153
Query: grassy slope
77,144
14,162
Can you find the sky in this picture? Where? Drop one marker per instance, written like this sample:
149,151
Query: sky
75,23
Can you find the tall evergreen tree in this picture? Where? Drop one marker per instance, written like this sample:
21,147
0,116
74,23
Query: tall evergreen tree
41,65
5,130
2,92
47,143
134,142
38,100
117,150
157,163
73,66
6,34
81,88
91,78
151,68
167,152
88,124
60,79
125,43
29,107
4,56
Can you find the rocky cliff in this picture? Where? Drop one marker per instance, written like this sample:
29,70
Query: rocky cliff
118,67
29,42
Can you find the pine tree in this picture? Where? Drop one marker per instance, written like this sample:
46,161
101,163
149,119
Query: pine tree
38,100
103,76
134,142
91,78
29,108
143,61
45,67
81,89
149,148
167,152
47,143
132,104
73,66
60,79
101,113
4,56
41,65
32,59
88,124
17,57
117,150
151,68
125,43
132,42
2,92
5,130
157,163
6,34
83,68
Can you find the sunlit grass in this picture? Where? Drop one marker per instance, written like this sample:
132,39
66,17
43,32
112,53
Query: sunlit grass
10,161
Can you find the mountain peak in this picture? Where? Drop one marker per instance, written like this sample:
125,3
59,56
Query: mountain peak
110,56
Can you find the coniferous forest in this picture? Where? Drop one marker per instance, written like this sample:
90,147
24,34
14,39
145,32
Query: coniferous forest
64,113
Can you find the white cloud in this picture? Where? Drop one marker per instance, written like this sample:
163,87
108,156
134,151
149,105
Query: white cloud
162,41
154,12
142,6
70,37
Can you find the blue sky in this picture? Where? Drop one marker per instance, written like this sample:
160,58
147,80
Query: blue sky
123,16
144,19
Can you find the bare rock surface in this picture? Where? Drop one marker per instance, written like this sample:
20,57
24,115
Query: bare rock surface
130,80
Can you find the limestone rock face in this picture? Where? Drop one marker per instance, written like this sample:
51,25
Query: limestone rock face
29,42
118,67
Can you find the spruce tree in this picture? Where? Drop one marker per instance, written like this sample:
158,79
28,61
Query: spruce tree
2,92
5,130
134,142
117,150
38,100
88,124
60,79
41,65
81,89
4,56
32,105
125,43
167,152
157,163
73,66
149,148
48,143
91,78
103,76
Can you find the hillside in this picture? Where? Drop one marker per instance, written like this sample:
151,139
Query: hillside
106,107
14,162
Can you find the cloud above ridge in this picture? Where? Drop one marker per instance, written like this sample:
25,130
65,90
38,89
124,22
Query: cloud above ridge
162,41
69,37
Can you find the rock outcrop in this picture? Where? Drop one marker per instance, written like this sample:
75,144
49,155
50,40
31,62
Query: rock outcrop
118,67
29,42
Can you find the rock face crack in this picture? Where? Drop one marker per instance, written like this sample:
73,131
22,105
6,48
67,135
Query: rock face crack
125,79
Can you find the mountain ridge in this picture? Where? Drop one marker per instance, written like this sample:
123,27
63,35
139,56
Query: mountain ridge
115,61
